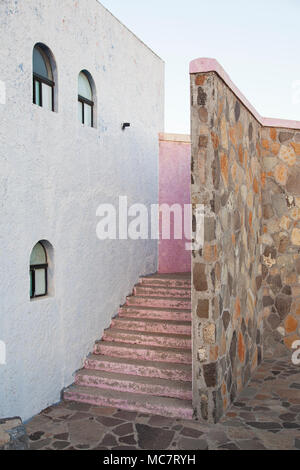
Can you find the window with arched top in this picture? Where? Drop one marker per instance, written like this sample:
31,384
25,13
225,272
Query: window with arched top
38,271
43,79
85,100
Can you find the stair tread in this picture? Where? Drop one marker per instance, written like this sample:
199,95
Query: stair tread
162,287
148,348
131,397
115,331
172,277
140,362
156,309
137,379
150,321
151,298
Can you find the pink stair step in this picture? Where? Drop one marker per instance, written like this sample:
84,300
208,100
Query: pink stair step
148,353
170,407
155,291
167,281
160,370
158,326
162,302
140,312
134,384
148,339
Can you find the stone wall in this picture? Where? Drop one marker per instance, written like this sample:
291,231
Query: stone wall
281,238
246,276
227,272
13,435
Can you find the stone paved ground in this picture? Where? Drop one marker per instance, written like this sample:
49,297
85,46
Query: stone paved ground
266,416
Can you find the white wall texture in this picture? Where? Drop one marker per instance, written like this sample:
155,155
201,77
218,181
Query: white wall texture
53,175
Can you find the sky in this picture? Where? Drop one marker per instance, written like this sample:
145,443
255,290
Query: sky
257,42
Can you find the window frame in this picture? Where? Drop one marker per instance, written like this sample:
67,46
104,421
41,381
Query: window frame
40,80
32,269
90,103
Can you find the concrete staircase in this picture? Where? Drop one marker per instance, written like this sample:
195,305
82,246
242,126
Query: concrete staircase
144,362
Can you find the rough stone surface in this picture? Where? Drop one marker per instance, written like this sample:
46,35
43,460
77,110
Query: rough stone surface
281,241
13,435
228,269
251,191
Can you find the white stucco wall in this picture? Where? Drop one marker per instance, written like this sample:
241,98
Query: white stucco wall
54,173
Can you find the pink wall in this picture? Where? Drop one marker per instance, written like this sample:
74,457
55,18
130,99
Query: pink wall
174,188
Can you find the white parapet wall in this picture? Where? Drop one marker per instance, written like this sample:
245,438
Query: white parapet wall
54,173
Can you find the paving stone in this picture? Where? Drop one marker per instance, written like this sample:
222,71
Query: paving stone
295,386
125,415
60,445
109,441
288,417
124,429
229,446
264,425
160,421
124,448
251,445
102,411
192,444
36,436
77,416
61,437
109,422
86,432
72,405
189,432
130,440
291,425
151,438
83,447
38,445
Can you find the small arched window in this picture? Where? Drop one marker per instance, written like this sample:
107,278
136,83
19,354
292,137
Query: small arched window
38,272
43,80
85,100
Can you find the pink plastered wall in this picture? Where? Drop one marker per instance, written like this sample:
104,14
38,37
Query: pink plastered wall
174,188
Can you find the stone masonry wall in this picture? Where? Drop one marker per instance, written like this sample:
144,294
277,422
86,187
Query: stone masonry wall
227,273
281,238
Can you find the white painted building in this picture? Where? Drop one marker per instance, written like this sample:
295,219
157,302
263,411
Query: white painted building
55,172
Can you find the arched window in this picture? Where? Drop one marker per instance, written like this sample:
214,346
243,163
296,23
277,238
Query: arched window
85,100
38,271
43,80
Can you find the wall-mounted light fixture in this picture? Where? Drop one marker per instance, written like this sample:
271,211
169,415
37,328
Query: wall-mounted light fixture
124,125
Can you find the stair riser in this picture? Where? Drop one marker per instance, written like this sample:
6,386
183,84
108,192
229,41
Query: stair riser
143,354
165,328
132,387
162,342
154,315
160,303
130,369
126,404
166,283
160,292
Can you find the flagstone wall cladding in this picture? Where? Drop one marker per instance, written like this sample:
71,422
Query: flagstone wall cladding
281,238
227,273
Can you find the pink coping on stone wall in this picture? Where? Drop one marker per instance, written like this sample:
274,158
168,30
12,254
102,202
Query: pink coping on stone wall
174,188
204,65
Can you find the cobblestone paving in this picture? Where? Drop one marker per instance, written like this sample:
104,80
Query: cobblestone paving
266,416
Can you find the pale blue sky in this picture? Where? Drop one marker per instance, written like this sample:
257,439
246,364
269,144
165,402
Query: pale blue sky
256,41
